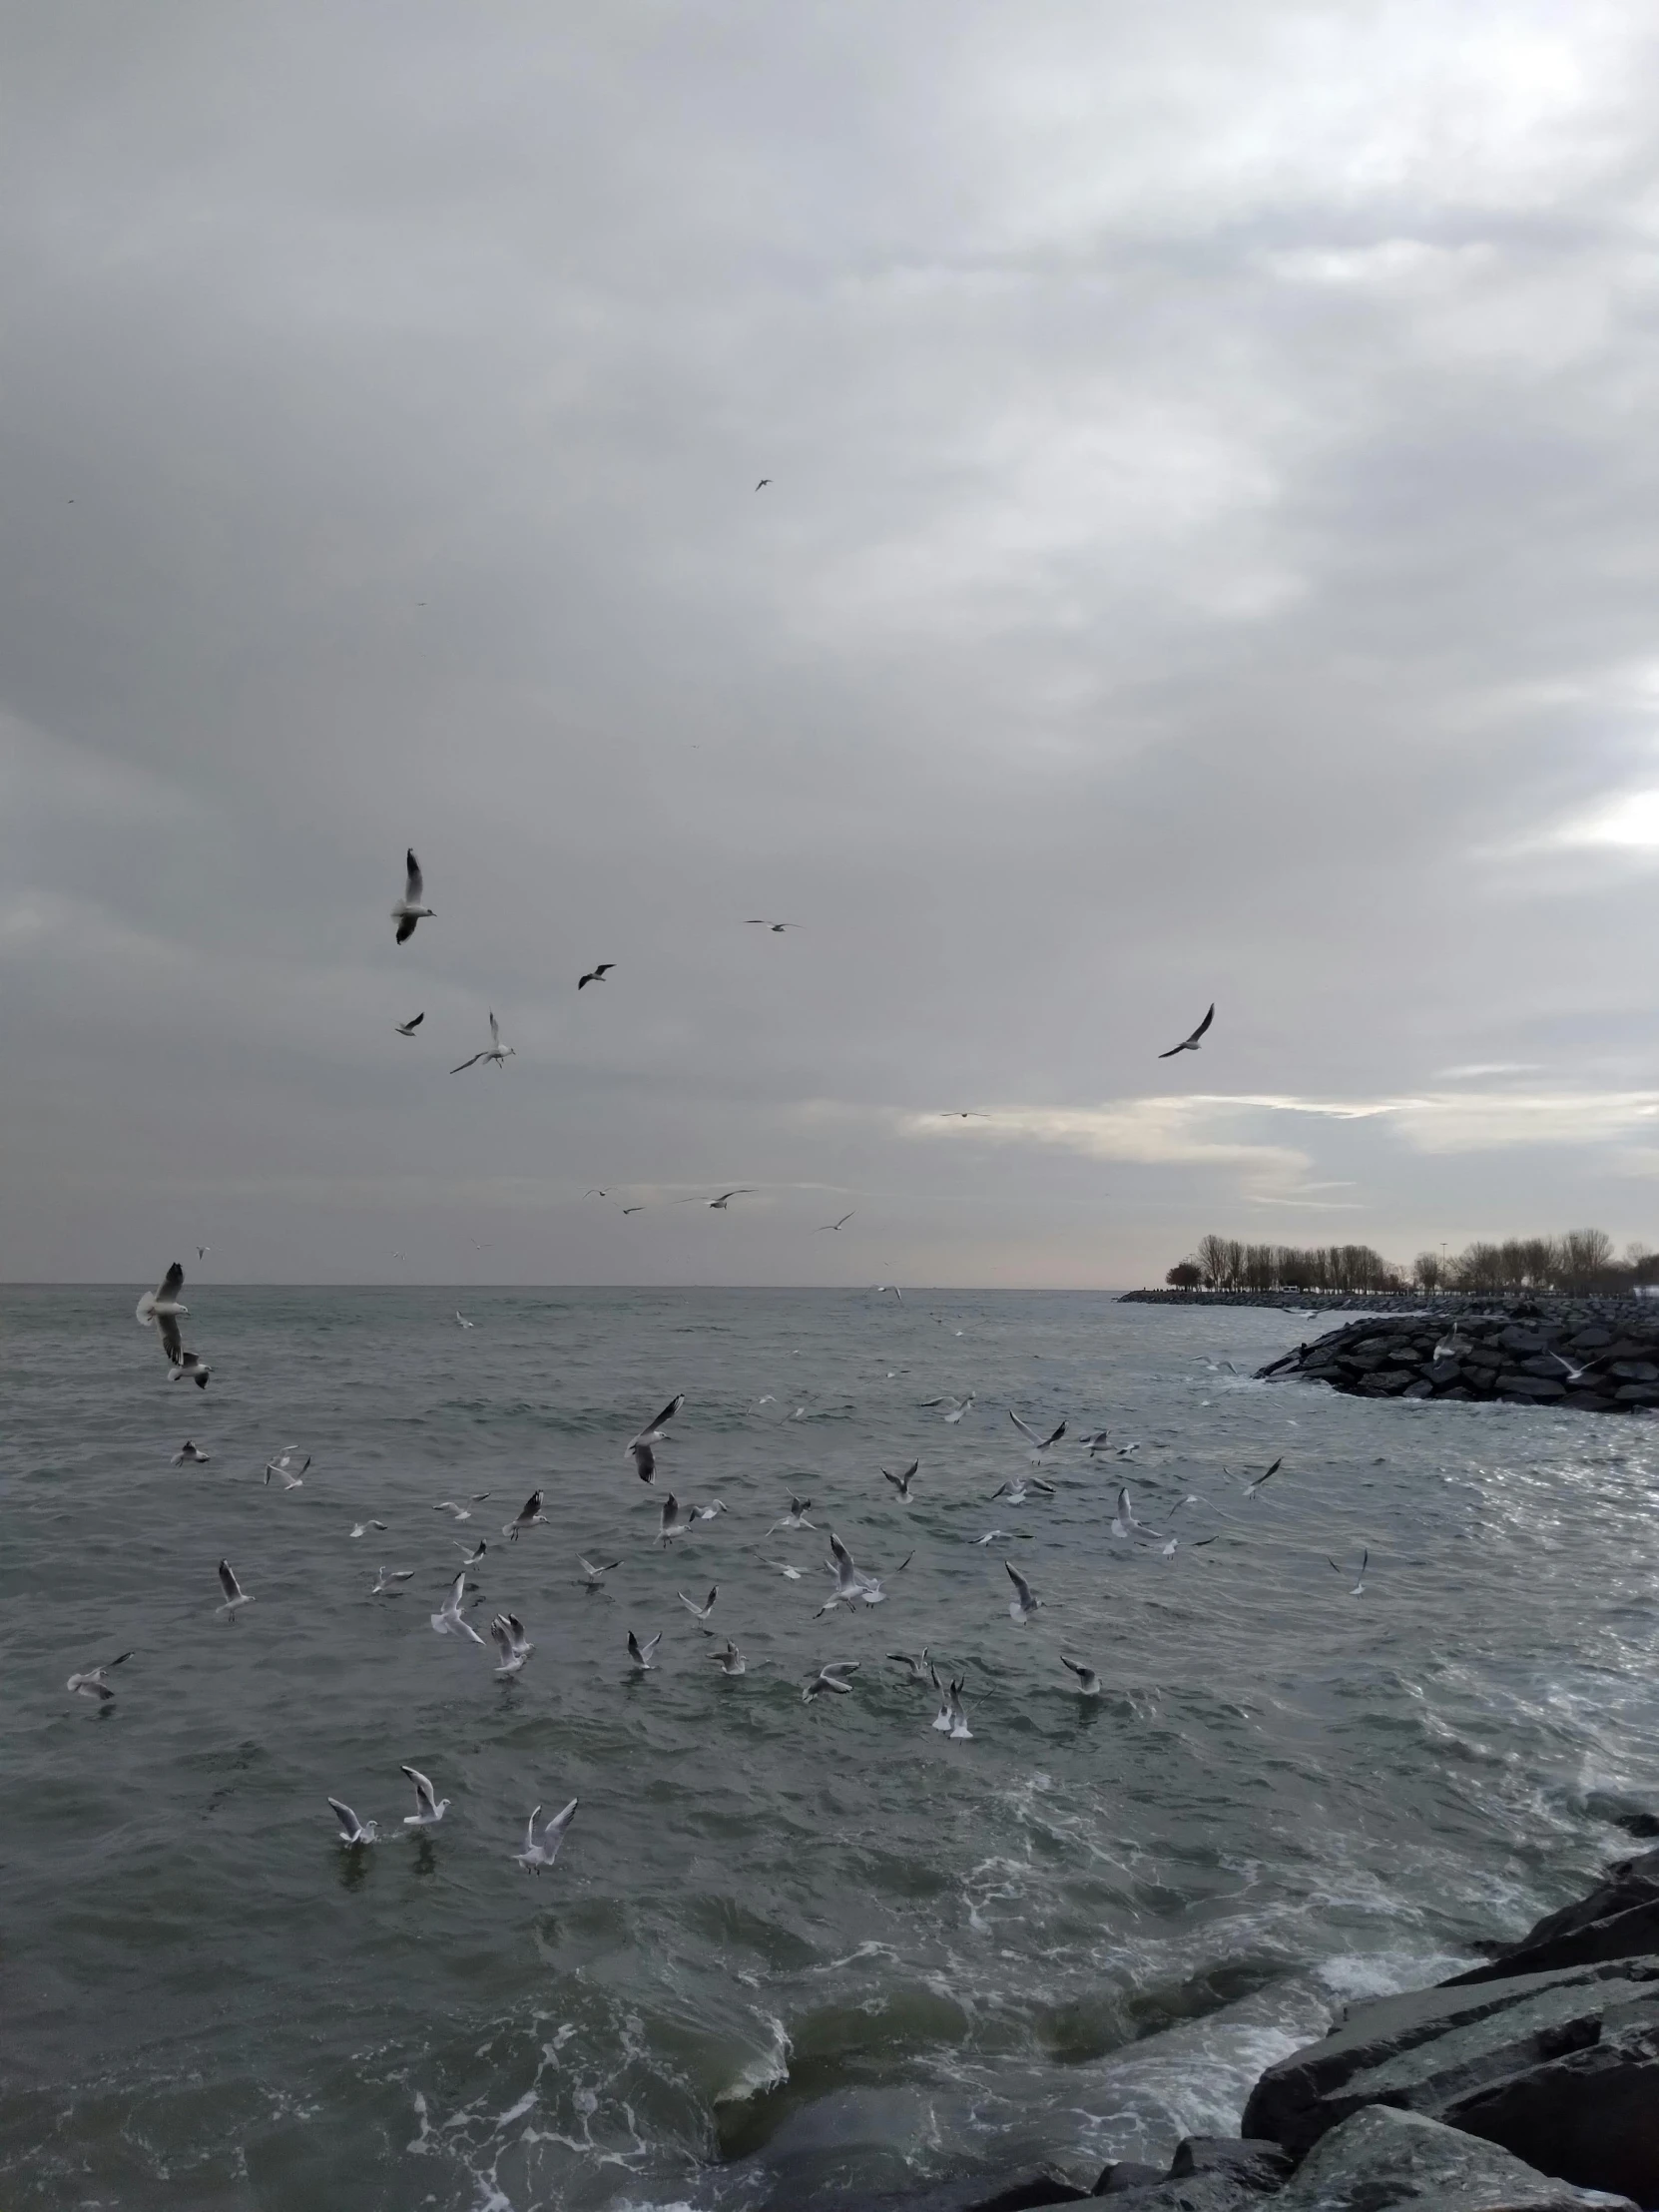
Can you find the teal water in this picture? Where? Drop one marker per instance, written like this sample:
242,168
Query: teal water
787,1945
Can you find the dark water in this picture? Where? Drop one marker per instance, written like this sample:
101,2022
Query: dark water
821,1933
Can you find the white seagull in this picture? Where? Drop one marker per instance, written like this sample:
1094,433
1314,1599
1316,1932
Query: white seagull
789,1575
190,1456
536,1854
699,1612
362,1528
163,1300
90,1682
640,1654
730,1660
471,1559
952,1718
920,1669
387,1584
796,1517
449,1619
1024,1601
1359,1577
284,1468
1191,1044
461,1512
708,1512
759,922
841,1224
1088,1682
353,1833
850,1582
672,1523
430,1807
593,1575
902,1483
408,909
529,1515
1039,1445
829,1678
1018,1488
235,1594
495,1052
461,1318
511,1642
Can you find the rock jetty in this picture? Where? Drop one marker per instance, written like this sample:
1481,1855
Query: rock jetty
1528,2084
1596,1358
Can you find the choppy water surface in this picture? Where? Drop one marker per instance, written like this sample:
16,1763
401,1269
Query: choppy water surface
785,1944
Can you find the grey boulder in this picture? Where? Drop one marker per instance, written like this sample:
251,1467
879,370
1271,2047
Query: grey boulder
1618,1920
1380,2159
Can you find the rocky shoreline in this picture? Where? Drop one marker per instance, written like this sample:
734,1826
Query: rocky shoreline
1528,2084
1593,1355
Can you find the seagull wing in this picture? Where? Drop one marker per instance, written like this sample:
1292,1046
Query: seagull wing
1023,1428
173,1282
425,1795
665,1416
349,1824
1204,1024
1054,1438
414,883
172,1342
1022,1588
472,1063
560,1821
227,1581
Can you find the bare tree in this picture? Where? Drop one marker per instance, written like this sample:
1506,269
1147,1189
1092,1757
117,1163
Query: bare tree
1428,1270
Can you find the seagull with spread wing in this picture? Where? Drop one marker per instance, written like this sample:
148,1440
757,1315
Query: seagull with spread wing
494,1053
1192,1043
408,909
596,974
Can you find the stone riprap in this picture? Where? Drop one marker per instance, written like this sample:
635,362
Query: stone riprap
1593,1360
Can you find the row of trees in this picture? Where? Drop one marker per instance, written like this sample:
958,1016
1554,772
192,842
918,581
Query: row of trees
1581,1260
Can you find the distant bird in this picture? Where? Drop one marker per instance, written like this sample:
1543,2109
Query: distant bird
461,1512
1250,1489
529,1515
596,974
202,1251
537,1855
841,1224
235,1594
699,1612
190,1456
1024,1601
408,1028
1088,1682
362,1528
730,1660
385,1584
284,1468
1571,1372
90,1682
920,1669
761,486
450,1620
719,1204
902,1483
408,909
430,1807
353,1833
1359,1579
594,1575
962,1113
1039,1445
514,1646
894,1287
495,1053
1191,1044
759,922
641,1655
1451,1346
673,1522
639,1209
829,1678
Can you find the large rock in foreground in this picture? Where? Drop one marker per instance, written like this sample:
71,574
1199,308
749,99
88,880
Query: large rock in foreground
1618,1920
1381,2159
1523,1355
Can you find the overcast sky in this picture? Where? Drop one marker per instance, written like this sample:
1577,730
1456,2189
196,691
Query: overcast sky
1211,553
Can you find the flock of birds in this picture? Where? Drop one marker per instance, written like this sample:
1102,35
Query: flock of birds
852,1586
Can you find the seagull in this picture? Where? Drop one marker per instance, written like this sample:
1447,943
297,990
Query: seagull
190,1456
202,1251
536,1854
761,486
461,1318
471,1559
730,1660
1250,1489
507,1632
1572,1374
642,1657
841,1224
655,1430
962,1113
920,1669
699,1612
235,1594
1039,1445
430,1807
494,1053
902,1483
1017,1490
1124,1523
408,909
673,1522
385,1584
1359,1579
1169,1550
186,1365
281,1466
894,1287
163,1300
90,1682
1451,1344
1128,1451
849,1583
362,1528
596,974
829,1678
953,1719
996,1536
959,1408
719,1204
594,1575
408,1028
789,1575
461,1512
448,1620
1024,1601
352,1832
759,922
1088,1682
529,1515
1191,1044
639,1209
708,1512
796,1517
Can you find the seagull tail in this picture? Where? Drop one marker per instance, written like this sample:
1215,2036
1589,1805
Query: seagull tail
145,1311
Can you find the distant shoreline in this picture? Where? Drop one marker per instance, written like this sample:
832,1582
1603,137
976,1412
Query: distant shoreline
1409,1302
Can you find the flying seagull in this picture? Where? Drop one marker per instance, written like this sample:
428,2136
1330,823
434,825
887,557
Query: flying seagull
1250,1489
163,1301
1088,1682
190,1456
202,1251
507,1631
699,1612
655,1431
494,1053
894,1287
730,1660
962,1113
759,922
461,1512
952,1719
362,1528
284,1467
385,1584
430,1807
829,1678
1024,1601
448,1620
673,1521
902,1483
235,1594
1359,1579
789,1575
529,1515
841,1224
537,1855
708,1512
719,1204
1191,1044
594,1575
405,1030
186,1365
596,974
796,1517
1021,1489
408,909
352,1832
919,1669
850,1582
471,1559
761,486
1039,1445
641,1654
959,1408
90,1682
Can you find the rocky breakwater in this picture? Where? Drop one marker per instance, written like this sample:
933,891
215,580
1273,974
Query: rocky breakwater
1529,2084
1598,1363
